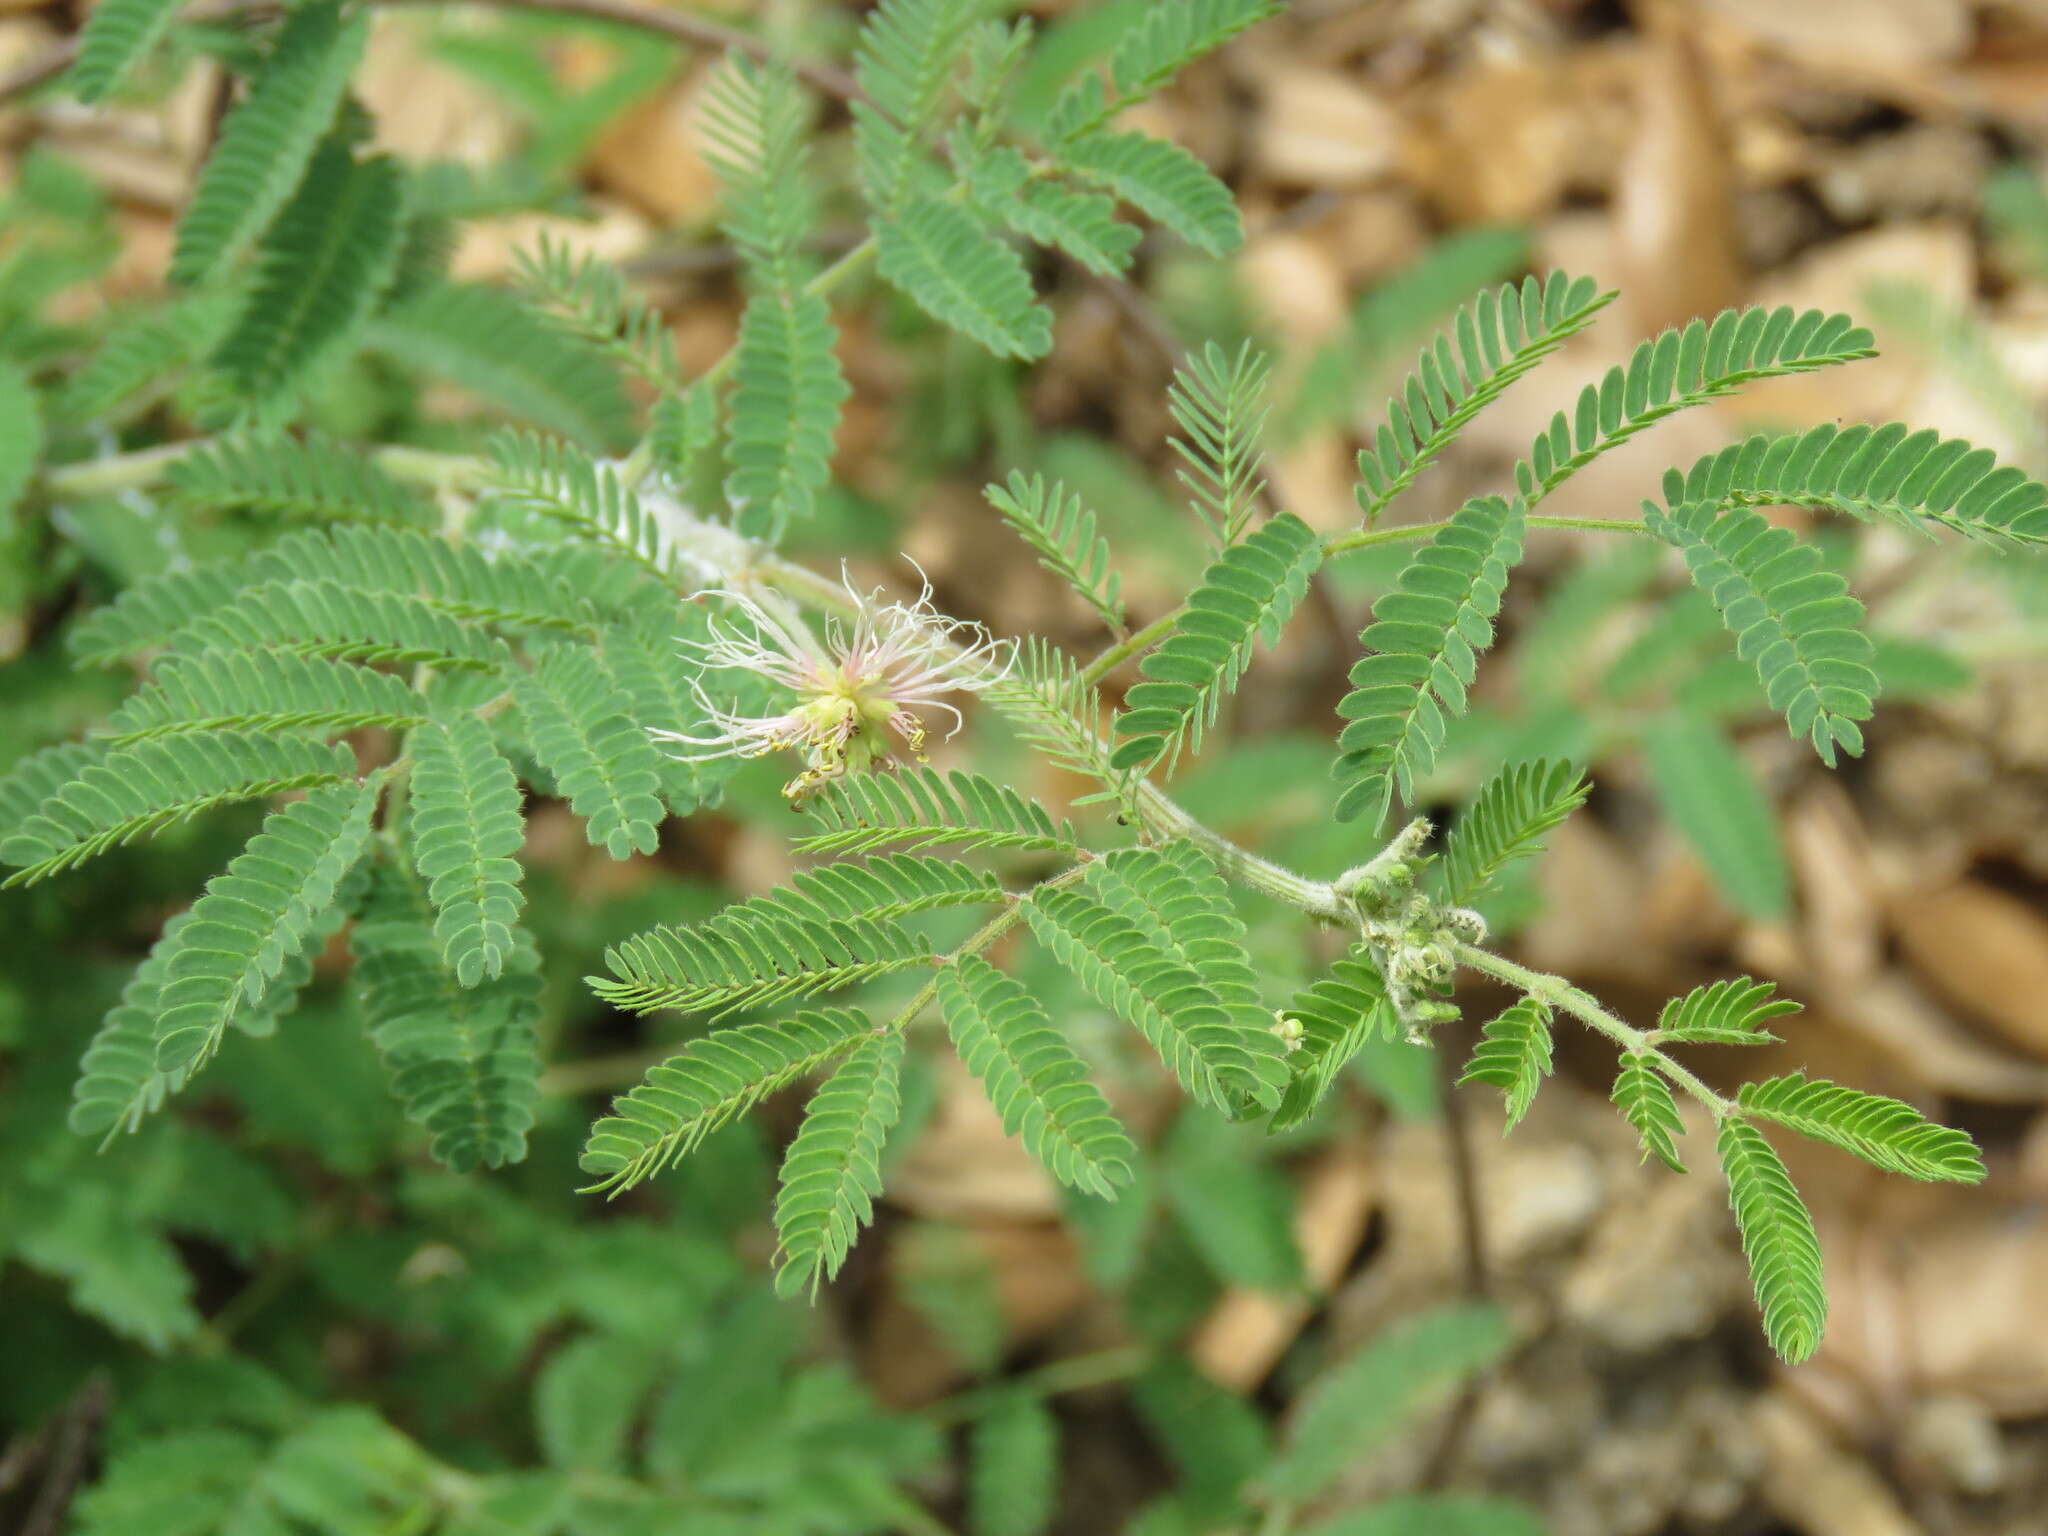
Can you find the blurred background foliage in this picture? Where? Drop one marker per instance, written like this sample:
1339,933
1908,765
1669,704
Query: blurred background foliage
267,1311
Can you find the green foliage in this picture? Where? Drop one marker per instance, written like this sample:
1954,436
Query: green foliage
21,439
591,299
140,789
1508,820
1886,474
1162,180
320,268
137,357
713,1079
1678,369
1424,641
756,958
1173,37
1792,618
1058,710
1731,1012
1895,1137
465,830
1013,1468
1360,1400
1711,796
908,49
1220,403
1778,1236
268,147
1514,1055
116,37
1219,1059
922,808
831,1174
1061,531
314,478
559,481
263,691
482,339
583,732
1037,1083
326,618
963,277
1344,1008
459,1041
1642,1096
1248,594
1500,337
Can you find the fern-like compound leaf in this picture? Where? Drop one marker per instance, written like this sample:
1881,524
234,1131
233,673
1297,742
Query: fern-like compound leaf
936,255
1082,224
458,580
321,267
1513,1055
140,789
754,126
1793,619
1338,1013
154,609
465,829
1037,1082
832,1171
1220,1061
1057,710
1778,1236
908,50
256,916
1679,369
1508,820
490,344
1879,474
751,957
325,618
268,141
1732,1012
584,734
1249,594
142,354
313,479
923,808
1219,403
1172,37
1162,180
590,297
1062,532
788,390
1425,640
642,661
1893,1136
1500,336
118,1081
463,1055
116,37
36,777
880,889
706,1085
1013,1477
561,482
1644,1099
263,691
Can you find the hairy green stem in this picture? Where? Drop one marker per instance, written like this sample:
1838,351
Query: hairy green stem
1586,1008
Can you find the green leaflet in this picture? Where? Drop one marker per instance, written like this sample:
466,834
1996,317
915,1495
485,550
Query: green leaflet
1729,1012
1500,337
583,733
1164,181
1506,821
465,828
140,789
937,256
754,957
264,691
1061,531
1893,1136
462,1053
321,267
831,1174
1884,474
1248,594
312,478
787,393
1013,1467
1338,1014
325,618
923,808
255,916
705,1085
1514,1056
1778,1236
1425,637
1708,791
117,34
267,144
1644,1098
1037,1083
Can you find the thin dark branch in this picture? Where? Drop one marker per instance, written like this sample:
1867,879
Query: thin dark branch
1475,1275
682,26
77,1430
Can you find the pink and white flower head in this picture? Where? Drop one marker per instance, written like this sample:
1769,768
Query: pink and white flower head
861,690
